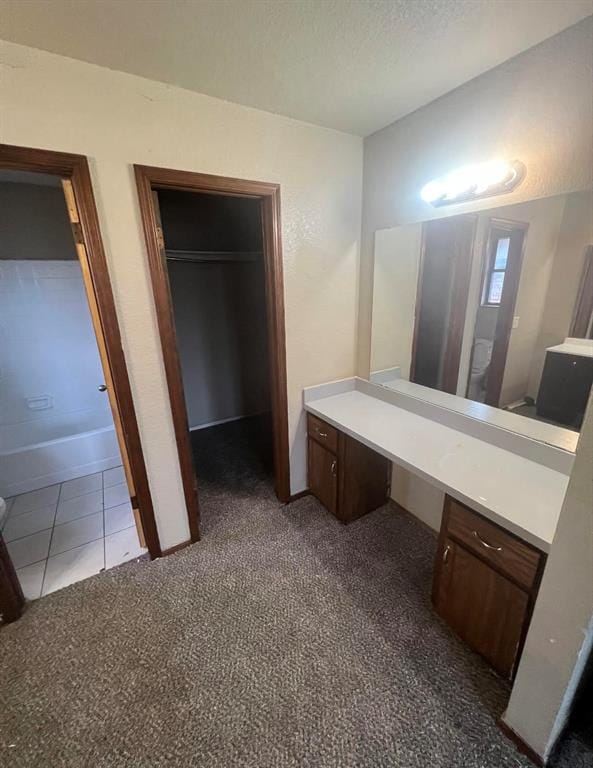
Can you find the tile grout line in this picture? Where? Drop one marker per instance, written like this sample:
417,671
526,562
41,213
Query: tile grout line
77,496
50,540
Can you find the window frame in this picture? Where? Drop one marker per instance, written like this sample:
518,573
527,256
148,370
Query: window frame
495,235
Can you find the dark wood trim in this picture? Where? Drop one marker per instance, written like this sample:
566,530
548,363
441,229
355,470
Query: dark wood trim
150,178
12,599
583,307
460,295
418,303
459,298
177,548
521,745
75,168
508,301
299,495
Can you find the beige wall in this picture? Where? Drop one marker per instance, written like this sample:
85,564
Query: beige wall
536,107
117,119
576,233
34,222
563,612
544,218
397,258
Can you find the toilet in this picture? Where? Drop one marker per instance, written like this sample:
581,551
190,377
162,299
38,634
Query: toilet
481,355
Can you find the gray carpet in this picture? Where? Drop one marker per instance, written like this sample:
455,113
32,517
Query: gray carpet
283,639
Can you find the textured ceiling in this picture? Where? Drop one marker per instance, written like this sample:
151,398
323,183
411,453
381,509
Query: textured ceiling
354,65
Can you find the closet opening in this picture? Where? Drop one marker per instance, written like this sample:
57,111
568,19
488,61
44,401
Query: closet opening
214,254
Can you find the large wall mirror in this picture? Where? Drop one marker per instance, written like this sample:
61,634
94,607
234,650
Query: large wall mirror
495,307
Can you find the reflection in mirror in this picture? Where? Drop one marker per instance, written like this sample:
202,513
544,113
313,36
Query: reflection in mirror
495,306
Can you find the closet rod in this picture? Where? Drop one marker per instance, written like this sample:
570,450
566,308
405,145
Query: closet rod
206,256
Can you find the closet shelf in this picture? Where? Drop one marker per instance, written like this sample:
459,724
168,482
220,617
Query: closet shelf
207,256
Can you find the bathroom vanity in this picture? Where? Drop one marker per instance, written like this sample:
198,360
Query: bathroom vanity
348,478
503,497
566,382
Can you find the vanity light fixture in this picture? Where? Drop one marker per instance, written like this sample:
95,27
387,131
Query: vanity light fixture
471,182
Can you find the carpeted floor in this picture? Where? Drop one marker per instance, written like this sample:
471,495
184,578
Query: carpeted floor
282,639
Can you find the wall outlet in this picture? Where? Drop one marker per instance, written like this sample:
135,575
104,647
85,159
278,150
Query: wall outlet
516,321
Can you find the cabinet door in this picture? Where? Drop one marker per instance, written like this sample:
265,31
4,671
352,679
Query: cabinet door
564,388
323,479
484,608
364,479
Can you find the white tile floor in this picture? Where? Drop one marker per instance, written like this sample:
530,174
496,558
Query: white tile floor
69,531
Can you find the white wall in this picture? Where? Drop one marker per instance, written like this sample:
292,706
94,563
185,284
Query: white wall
576,233
563,612
397,258
220,322
117,119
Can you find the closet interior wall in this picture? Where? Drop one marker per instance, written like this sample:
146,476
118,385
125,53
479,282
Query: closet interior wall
216,273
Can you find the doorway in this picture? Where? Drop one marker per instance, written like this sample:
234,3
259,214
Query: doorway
441,300
72,472
494,320
214,251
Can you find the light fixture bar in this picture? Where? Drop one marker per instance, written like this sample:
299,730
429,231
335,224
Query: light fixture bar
472,182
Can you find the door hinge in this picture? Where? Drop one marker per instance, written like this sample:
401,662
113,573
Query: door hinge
160,238
134,501
77,233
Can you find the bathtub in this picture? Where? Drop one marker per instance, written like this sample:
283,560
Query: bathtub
29,467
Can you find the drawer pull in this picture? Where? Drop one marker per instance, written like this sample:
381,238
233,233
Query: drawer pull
321,434
333,467
446,554
485,543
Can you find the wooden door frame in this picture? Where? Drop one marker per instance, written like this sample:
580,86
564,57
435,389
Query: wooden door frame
508,302
76,169
454,337
150,178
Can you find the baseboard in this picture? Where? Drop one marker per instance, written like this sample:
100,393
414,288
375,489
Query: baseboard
176,548
521,745
416,519
299,495
226,421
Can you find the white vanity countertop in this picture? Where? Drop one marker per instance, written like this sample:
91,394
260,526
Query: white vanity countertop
519,494
582,347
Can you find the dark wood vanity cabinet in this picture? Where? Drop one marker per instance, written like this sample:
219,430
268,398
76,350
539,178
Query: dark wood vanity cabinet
564,388
485,584
348,478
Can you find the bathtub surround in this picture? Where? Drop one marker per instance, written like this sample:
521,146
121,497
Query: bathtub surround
66,532
54,423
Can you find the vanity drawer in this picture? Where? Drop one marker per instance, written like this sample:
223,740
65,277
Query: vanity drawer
508,554
322,432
